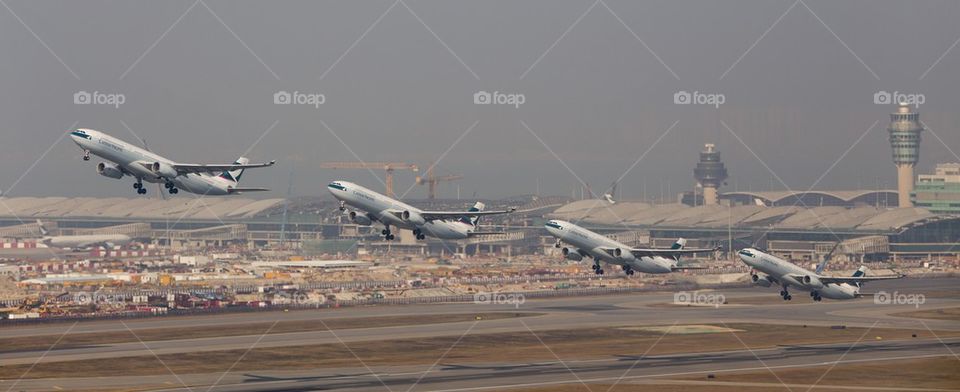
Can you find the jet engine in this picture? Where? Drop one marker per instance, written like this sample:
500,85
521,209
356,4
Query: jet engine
812,281
761,280
359,219
163,170
109,170
623,254
413,218
571,254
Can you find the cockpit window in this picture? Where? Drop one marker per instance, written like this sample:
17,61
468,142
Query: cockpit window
80,134
336,185
746,253
554,225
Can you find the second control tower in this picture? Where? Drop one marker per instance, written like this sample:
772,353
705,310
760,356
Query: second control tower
710,173
905,129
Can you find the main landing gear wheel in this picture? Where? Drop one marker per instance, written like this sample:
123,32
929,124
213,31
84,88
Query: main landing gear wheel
386,234
418,234
139,187
816,296
785,294
597,269
171,187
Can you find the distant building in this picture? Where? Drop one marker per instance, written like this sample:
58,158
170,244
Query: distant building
905,129
710,174
940,192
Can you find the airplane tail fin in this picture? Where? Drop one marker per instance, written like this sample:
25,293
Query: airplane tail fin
474,221
862,271
234,175
681,242
822,265
43,230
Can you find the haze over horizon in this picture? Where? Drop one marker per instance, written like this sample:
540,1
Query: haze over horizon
399,80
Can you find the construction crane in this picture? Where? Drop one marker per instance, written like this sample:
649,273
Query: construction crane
387,167
431,181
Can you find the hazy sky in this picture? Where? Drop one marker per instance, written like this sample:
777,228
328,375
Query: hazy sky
399,79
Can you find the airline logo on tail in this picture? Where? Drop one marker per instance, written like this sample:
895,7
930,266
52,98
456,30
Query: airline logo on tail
473,221
234,175
681,242
43,230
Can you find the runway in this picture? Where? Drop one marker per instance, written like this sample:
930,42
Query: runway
557,314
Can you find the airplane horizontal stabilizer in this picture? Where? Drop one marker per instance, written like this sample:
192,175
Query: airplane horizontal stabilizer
241,190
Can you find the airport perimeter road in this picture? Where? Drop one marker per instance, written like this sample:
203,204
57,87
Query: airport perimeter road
558,313
452,376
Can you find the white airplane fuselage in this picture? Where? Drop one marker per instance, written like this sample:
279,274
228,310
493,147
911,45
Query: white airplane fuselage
378,207
131,160
594,244
786,272
85,241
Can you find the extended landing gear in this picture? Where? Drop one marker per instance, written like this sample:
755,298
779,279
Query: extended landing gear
419,234
785,294
86,155
627,270
816,296
139,187
597,269
343,206
171,188
386,234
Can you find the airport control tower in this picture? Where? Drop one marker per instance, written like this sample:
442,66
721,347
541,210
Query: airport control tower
710,173
905,131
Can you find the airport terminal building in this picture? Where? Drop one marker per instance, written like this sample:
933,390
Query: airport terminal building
852,225
862,232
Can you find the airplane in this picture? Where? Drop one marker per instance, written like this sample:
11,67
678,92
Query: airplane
774,270
586,243
126,159
375,207
107,241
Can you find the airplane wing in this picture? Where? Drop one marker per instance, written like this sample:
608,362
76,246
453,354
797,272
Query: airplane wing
187,168
438,215
856,279
241,190
689,267
669,253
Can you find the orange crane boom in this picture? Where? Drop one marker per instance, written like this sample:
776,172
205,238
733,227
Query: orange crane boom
432,181
387,167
